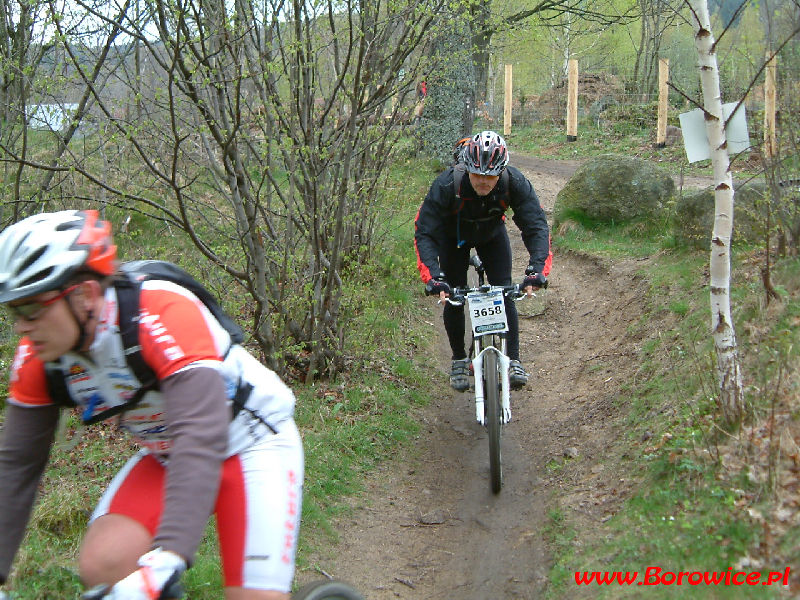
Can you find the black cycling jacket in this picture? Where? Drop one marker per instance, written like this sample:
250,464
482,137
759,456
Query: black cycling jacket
471,220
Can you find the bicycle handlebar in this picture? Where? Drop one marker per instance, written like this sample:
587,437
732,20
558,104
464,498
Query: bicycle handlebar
459,294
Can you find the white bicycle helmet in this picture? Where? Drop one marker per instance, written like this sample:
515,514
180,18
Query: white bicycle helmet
41,253
486,154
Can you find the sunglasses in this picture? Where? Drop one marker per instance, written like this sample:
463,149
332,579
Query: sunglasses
33,310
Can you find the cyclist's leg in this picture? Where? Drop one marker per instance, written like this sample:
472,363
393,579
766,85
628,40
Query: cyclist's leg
496,257
258,516
454,263
124,522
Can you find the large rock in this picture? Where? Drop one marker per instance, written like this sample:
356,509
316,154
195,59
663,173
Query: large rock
693,220
614,189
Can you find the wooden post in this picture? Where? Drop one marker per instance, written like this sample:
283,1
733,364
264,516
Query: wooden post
770,96
509,97
663,102
572,101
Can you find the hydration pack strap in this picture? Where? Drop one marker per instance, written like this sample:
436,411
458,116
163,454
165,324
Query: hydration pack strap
128,303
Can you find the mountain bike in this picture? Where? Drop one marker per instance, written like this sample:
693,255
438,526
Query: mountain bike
490,361
326,589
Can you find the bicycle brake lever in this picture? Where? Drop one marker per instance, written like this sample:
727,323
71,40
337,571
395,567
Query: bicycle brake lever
515,293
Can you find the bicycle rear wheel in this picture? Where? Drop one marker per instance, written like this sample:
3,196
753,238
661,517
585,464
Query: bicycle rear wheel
491,390
327,590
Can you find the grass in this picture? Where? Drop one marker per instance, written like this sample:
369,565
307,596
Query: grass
697,484
690,510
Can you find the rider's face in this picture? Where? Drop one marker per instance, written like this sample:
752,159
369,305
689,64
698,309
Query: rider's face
483,184
52,329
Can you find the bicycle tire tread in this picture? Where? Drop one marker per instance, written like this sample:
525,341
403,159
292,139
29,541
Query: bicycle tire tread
493,412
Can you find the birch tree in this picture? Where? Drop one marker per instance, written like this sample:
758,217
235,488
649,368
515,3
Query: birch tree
731,397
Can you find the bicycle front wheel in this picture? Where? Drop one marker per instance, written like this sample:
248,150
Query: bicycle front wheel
327,590
491,387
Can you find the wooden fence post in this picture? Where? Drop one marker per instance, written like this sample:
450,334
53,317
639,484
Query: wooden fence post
509,97
663,102
572,101
770,97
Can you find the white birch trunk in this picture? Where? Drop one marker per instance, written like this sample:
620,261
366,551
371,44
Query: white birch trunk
731,398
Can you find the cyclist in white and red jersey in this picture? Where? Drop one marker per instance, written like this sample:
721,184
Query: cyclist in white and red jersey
202,453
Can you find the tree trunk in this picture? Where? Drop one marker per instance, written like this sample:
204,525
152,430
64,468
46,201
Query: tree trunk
731,397
481,38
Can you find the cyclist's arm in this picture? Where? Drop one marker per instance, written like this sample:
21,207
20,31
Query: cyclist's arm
530,218
429,225
25,442
198,418
184,344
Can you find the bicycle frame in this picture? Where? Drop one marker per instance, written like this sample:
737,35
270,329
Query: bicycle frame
505,386
486,343
490,364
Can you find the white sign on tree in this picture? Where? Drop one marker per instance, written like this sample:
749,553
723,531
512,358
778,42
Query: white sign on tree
695,140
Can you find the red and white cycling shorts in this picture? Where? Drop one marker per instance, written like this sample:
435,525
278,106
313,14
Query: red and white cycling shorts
257,508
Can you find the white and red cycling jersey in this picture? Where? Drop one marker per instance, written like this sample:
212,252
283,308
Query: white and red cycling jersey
176,332
202,453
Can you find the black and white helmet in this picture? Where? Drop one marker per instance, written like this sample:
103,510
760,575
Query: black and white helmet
486,154
41,253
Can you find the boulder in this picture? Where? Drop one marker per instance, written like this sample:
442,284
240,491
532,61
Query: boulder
693,219
614,189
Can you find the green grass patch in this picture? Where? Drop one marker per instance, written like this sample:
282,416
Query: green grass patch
637,240
689,509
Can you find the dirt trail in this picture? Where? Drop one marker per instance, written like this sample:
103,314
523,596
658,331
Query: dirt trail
430,528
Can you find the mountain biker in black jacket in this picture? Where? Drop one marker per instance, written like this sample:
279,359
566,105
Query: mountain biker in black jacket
451,222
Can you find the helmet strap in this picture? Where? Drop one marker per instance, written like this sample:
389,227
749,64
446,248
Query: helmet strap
83,332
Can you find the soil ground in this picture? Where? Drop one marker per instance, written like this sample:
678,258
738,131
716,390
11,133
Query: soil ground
428,526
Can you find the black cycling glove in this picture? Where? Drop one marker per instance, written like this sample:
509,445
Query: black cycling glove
437,285
534,279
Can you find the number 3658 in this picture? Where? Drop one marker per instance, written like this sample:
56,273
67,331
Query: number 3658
486,311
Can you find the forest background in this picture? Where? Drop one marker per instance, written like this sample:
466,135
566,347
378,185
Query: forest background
270,127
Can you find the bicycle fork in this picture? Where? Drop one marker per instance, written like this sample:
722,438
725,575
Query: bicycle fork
505,396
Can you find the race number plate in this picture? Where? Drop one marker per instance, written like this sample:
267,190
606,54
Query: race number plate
487,312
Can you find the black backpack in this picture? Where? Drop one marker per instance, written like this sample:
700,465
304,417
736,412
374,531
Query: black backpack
128,286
